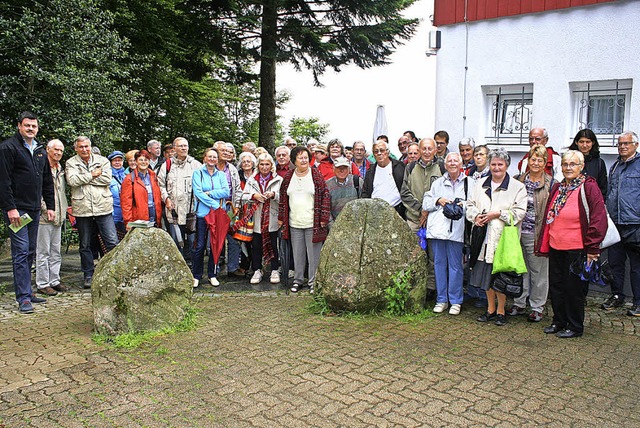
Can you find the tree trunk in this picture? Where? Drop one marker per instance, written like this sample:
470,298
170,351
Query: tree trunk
267,131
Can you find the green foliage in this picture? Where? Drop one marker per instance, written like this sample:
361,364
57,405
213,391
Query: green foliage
302,129
63,60
135,339
318,305
397,293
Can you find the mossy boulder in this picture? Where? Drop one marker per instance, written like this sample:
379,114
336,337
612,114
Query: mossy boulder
369,243
143,284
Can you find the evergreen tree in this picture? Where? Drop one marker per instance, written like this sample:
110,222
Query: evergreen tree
312,34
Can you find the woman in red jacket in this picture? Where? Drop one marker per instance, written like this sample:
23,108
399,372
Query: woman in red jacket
140,194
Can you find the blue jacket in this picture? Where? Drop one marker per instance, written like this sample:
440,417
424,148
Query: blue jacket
623,195
208,190
117,176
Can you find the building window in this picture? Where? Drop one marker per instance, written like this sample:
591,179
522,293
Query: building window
510,113
603,107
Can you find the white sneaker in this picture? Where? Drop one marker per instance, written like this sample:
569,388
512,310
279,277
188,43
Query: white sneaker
214,281
196,282
454,310
257,277
440,307
275,277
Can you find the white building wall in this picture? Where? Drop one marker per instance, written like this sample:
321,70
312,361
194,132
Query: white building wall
549,50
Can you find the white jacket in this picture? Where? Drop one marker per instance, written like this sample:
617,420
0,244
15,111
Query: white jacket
251,188
89,196
438,226
177,186
509,197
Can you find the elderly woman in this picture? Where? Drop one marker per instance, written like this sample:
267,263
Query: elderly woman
336,150
536,280
263,189
117,176
140,196
304,214
446,236
586,142
131,160
480,169
575,225
209,187
492,203
246,167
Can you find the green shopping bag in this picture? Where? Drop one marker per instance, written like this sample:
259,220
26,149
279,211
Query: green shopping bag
508,256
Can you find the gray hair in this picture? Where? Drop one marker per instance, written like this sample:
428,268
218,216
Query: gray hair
569,154
459,156
500,153
53,142
481,147
152,143
467,141
249,155
283,148
267,157
380,143
429,140
359,142
81,139
634,136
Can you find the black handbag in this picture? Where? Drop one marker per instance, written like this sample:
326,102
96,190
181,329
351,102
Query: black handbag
508,283
190,226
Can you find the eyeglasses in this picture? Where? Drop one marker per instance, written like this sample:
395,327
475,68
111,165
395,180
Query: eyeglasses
379,151
626,143
570,165
536,138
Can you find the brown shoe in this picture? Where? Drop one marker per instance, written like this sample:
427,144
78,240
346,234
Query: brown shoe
238,273
61,288
48,291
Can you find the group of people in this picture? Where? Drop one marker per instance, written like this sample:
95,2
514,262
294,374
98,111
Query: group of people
559,203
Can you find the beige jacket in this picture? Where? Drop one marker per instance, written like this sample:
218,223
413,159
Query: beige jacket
509,197
177,186
60,198
89,196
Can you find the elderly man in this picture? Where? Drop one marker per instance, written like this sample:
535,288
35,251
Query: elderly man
384,178
417,180
225,157
623,197
155,150
25,175
89,176
283,160
291,143
174,180
249,146
541,136
343,187
465,147
403,143
360,158
413,153
48,257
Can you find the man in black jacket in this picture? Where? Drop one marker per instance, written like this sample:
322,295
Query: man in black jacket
388,182
26,179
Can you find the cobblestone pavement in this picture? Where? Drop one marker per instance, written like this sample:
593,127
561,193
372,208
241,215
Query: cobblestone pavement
263,360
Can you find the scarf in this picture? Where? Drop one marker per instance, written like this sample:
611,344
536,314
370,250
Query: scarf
267,249
566,187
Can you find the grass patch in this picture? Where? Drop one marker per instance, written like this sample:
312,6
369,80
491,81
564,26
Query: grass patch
135,339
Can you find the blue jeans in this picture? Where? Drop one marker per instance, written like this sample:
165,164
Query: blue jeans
448,270
197,259
86,229
617,259
23,251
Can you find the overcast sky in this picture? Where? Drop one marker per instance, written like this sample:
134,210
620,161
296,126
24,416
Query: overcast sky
349,99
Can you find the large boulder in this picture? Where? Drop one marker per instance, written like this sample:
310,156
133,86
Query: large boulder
143,284
369,243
